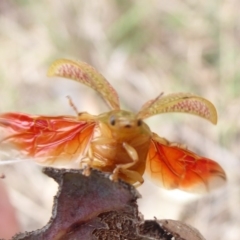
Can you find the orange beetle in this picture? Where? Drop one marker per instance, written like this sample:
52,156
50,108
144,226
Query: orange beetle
117,141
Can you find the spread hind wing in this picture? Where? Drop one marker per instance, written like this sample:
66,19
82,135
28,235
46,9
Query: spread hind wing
174,167
47,140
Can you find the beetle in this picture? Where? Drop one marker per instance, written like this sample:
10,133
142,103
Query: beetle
117,141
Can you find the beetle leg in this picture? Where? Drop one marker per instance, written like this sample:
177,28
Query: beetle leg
130,176
89,161
123,168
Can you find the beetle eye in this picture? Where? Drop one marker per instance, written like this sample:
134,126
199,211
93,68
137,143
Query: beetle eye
112,120
139,122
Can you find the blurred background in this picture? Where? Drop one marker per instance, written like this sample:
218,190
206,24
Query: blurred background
143,48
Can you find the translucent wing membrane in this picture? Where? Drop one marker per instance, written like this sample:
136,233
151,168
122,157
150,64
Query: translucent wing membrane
179,102
47,140
176,168
86,74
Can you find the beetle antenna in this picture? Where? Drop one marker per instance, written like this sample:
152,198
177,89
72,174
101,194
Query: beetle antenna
151,102
72,105
156,99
